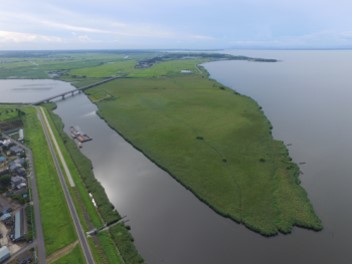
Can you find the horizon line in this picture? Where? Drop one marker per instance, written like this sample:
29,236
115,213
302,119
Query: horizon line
173,49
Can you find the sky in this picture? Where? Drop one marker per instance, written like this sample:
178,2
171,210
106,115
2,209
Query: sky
169,24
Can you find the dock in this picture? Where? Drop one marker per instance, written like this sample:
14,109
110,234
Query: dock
79,135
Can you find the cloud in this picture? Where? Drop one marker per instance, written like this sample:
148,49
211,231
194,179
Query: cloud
18,37
175,24
321,39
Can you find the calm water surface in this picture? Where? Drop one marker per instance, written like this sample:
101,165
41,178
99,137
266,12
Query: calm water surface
306,96
30,91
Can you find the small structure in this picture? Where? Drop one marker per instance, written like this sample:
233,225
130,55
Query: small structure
77,133
7,142
18,182
16,168
2,159
16,150
20,229
5,216
4,254
21,135
21,186
186,71
20,161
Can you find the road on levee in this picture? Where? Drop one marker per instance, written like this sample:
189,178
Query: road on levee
51,143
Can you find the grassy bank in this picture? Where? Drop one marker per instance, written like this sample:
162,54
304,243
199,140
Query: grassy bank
214,141
75,256
56,221
109,246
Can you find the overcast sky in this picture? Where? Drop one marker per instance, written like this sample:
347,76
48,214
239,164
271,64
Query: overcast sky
192,24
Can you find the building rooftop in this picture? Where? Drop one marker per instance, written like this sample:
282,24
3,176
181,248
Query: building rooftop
4,253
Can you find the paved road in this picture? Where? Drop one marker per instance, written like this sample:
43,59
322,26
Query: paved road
81,235
37,218
35,198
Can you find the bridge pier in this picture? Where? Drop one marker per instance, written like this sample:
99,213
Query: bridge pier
63,97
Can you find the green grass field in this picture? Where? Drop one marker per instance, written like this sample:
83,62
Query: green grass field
75,256
72,65
8,113
56,220
215,142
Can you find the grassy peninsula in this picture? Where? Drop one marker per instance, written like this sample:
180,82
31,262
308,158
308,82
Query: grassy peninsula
214,141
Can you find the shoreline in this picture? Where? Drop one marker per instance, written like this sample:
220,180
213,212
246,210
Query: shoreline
204,72
198,196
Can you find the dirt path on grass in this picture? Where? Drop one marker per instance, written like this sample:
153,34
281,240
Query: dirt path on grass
62,252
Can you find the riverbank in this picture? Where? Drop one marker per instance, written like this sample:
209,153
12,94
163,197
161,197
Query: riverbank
190,228
118,235
214,141
51,199
115,245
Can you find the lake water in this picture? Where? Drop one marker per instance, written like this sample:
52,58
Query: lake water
307,97
29,91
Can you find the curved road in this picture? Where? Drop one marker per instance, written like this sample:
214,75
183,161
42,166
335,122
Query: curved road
51,140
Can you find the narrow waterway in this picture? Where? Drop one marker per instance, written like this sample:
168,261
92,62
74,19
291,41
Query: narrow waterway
168,223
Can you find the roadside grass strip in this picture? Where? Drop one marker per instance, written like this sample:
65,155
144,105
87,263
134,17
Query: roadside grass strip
58,232
58,150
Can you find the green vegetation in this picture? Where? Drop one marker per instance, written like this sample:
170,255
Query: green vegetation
57,224
214,141
75,256
5,182
8,113
30,222
62,65
124,242
84,68
56,220
106,70
109,248
108,244
86,210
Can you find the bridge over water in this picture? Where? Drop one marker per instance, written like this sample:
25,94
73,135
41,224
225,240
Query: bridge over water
73,92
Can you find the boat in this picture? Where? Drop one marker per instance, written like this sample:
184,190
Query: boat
79,135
